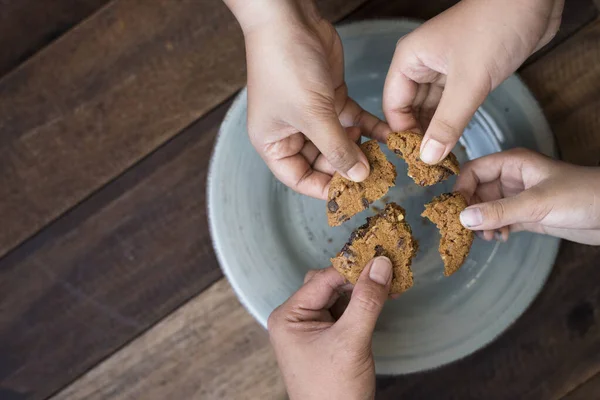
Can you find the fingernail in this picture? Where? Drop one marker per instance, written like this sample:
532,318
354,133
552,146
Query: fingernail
471,217
359,172
432,151
381,270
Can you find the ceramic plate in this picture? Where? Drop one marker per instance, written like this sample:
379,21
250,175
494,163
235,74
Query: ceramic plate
267,237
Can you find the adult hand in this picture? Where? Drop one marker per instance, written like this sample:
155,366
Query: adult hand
443,71
322,358
299,111
523,190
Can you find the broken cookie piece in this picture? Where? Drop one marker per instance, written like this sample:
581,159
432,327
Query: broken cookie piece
455,244
407,145
347,198
385,234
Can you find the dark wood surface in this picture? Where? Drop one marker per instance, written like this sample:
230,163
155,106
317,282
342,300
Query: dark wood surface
587,390
27,26
108,93
102,197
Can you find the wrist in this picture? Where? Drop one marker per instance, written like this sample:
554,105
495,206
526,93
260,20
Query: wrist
253,15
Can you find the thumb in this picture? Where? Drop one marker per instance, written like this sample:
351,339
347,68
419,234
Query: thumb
327,133
368,297
460,100
526,207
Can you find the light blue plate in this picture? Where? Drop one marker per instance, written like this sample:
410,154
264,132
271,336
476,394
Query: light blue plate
267,237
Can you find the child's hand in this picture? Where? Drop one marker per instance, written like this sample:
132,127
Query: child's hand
298,104
321,356
523,190
464,53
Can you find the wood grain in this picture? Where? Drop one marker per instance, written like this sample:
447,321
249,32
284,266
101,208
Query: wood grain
178,357
119,261
586,391
107,94
567,84
27,26
108,269
135,250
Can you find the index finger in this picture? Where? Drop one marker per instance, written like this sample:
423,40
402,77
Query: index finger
399,93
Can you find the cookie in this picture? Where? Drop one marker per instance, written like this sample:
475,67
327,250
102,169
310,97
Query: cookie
347,198
455,244
385,234
407,145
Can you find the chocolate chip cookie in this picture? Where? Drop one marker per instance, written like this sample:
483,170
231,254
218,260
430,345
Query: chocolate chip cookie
347,198
385,234
407,145
455,244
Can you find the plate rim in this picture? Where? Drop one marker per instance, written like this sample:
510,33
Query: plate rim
384,367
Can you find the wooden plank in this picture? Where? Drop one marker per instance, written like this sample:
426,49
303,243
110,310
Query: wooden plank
588,390
567,84
115,264
210,348
576,14
107,94
555,346
27,26
108,269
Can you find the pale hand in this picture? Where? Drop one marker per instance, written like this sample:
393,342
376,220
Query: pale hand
522,190
442,72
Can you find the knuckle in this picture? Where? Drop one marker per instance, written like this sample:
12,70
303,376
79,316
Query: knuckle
445,129
317,105
495,212
341,157
539,208
368,300
274,322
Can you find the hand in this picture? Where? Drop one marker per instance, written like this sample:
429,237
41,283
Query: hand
523,190
319,357
443,71
298,104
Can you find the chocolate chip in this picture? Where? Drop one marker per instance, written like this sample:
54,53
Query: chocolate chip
400,243
448,171
379,250
418,159
443,175
398,152
332,206
365,203
343,218
346,251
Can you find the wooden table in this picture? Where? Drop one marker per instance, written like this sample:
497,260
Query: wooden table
109,287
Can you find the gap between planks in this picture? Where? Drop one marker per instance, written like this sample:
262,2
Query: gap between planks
178,357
